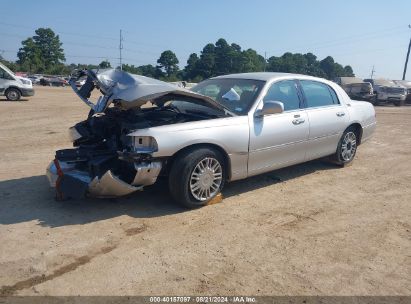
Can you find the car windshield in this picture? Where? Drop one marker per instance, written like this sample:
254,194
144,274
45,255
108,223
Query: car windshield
237,95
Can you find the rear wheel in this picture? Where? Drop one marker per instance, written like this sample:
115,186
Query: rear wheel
398,103
196,177
347,147
13,94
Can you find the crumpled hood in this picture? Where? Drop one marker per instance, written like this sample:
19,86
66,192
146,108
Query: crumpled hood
131,90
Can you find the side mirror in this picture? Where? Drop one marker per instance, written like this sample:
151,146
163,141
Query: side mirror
270,107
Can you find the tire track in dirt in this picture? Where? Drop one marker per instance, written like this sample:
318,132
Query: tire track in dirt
79,261
36,280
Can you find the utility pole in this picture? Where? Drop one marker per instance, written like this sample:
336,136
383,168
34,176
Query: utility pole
265,60
372,72
406,59
120,48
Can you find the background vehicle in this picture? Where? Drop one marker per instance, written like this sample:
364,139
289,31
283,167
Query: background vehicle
12,86
53,81
254,123
387,91
35,79
407,85
356,88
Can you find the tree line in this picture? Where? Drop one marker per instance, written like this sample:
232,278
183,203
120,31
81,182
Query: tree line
43,53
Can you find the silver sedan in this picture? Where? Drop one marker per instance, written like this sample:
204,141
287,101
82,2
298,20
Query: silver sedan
226,128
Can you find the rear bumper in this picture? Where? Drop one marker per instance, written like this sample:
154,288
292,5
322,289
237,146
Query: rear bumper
72,183
27,92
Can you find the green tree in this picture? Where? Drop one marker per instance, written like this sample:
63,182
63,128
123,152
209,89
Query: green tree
348,71
148,70
328,66
41,52
251,62
105,64
130,68
191,69
29,56
168,63
206,65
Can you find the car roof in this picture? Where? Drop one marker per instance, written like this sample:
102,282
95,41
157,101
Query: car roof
265,76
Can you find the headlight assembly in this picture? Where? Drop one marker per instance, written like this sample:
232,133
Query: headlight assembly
145,144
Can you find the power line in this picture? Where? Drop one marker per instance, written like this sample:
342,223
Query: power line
59,32
350,39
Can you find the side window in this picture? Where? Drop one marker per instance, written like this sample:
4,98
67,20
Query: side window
318,94
2,73
334,95
5,75
286,92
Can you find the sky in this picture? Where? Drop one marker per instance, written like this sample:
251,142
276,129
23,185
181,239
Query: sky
362,34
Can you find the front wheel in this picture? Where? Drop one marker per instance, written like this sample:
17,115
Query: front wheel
13,94
347,147
196,177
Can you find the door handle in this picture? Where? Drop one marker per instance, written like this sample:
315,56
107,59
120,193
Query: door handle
340,114
298,121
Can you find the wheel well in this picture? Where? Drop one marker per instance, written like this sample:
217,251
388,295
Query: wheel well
12,87
358,131
227,164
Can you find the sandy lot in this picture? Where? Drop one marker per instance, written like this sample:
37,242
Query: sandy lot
312,229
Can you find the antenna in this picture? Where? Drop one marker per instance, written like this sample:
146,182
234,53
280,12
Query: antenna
265,60
372,72
120,48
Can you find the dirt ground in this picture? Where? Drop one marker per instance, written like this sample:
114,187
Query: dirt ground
312,229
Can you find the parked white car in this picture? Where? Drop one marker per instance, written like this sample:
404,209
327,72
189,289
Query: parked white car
12,86
142,128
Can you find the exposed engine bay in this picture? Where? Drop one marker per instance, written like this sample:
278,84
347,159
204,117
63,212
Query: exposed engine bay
105,160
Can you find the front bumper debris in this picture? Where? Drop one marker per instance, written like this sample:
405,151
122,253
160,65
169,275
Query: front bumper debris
109,185
72,183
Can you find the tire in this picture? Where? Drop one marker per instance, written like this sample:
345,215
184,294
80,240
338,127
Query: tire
196,177
375,101
13,94
347,148
398,103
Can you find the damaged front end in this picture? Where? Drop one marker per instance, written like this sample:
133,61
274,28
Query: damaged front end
105,161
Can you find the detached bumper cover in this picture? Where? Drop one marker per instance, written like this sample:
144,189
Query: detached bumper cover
72,183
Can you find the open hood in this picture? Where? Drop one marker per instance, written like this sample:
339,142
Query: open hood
131,90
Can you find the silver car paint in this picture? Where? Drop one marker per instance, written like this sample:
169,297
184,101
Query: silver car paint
259,145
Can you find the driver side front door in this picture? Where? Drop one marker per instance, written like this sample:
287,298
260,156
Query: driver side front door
278,140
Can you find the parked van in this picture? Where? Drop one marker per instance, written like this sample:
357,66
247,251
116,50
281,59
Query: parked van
12,86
